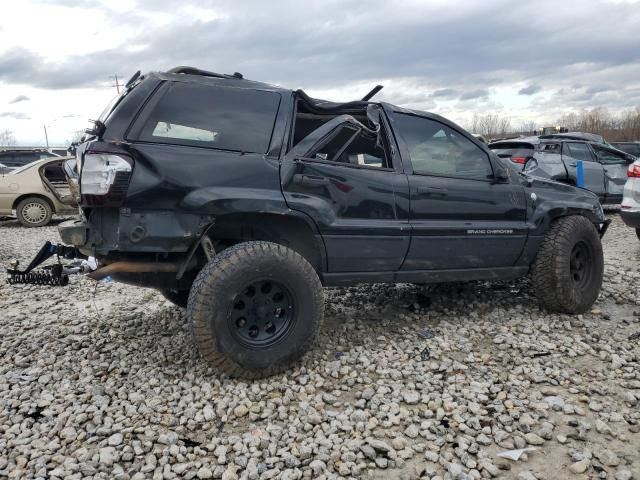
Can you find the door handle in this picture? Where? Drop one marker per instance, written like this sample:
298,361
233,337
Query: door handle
573,164
310,180
433,191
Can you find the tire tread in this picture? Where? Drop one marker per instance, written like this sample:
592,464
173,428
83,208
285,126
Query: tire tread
225,265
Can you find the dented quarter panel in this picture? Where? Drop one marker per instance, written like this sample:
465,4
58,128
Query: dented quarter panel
547,201
615,178
547,165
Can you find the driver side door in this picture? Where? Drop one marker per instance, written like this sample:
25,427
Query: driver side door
461,216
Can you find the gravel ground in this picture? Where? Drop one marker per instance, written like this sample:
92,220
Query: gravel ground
100,380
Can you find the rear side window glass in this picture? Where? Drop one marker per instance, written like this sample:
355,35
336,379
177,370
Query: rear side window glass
548,147
218,117
579,151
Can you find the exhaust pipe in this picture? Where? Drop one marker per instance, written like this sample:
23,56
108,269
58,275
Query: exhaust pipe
134,267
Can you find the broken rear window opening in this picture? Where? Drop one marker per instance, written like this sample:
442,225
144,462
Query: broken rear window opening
226,118
347,144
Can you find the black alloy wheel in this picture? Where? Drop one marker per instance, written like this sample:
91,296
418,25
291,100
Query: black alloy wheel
262,314
580,264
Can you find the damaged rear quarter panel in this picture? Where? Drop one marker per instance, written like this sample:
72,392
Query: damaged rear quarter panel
214,183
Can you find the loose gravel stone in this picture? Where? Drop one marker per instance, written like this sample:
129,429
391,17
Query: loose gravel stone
580,466
533,439
405,382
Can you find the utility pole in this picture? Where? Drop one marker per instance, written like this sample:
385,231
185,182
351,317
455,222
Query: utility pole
116,84
46,137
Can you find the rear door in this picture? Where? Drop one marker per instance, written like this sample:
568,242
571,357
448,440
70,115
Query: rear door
593,171
348,179
615,164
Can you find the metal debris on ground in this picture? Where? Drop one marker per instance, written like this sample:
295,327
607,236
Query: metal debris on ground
515,454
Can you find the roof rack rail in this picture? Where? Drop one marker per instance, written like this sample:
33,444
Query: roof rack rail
196,71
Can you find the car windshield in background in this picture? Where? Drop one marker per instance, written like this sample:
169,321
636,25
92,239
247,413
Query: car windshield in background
512,149
631,148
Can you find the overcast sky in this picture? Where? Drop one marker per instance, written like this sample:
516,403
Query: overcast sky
531,61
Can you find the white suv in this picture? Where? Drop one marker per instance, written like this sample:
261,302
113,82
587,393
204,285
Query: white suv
630,207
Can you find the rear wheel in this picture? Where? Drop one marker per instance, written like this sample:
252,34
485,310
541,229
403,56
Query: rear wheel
567,273
255,309
34,212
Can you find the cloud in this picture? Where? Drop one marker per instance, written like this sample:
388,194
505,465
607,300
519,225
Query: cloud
471,48
593,89
474,94
427,54
530,90
19,98
15,115
445,93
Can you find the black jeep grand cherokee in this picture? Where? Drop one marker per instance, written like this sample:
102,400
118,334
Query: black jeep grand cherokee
240,200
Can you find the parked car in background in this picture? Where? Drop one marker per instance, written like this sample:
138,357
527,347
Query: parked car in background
630,207
604,167
517,150
36,191
16,157
632,148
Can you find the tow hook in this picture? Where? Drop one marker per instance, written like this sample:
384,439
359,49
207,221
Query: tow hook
57,275
54,275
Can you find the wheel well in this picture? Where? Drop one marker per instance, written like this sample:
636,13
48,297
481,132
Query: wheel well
287,230
36,195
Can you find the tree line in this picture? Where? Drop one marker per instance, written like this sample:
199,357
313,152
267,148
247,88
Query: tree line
623,126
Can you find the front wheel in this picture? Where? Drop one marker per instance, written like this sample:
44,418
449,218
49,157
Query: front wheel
567,273
255,309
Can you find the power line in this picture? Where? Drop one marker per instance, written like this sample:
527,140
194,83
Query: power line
116,84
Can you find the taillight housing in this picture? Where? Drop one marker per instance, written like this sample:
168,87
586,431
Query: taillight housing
633,171
519,160
104,178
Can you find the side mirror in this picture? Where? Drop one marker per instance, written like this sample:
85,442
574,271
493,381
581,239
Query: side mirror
501,174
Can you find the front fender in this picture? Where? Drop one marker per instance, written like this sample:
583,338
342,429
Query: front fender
548,200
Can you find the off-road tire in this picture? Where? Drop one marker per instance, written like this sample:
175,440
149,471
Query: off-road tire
214,295
28,219
557,285
177,297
